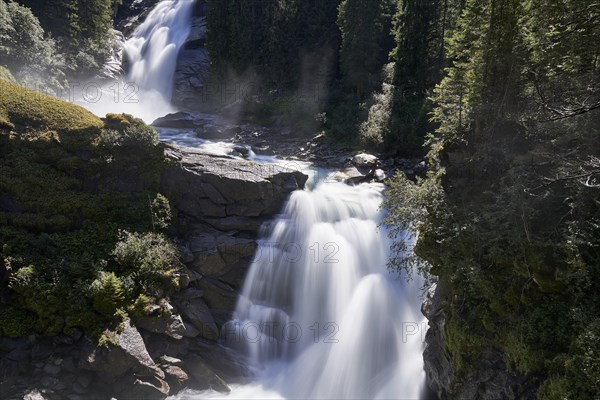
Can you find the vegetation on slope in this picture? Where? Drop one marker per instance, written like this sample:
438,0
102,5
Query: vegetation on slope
81,220
509,218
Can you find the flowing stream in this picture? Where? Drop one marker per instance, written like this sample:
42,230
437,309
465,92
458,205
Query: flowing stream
320,316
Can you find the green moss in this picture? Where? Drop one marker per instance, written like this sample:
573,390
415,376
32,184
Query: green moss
27,108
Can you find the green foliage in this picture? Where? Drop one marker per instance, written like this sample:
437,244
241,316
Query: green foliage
15,322
150,259
26,50
362,51
27,108
69,182
161,212
81,28
107,293
515,240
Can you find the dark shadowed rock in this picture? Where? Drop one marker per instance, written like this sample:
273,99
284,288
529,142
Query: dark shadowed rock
180,120
193,64
176,377
197,313
169,325
147,388
204,377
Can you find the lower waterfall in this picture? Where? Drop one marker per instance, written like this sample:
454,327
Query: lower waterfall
320,315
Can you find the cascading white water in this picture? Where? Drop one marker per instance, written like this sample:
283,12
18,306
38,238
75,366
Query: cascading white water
151,55
152,50
320,316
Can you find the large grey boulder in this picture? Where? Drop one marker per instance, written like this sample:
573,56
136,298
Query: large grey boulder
202,186
125,352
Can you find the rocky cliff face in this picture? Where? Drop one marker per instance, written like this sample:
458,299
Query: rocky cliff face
192,64
220,203
490,381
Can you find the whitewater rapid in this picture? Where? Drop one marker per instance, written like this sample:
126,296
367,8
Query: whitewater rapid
320,315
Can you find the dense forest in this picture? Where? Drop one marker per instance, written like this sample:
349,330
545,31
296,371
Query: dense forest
502,98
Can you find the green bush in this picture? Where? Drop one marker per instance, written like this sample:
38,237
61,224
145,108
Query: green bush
15,322
161,212
150,259
107,293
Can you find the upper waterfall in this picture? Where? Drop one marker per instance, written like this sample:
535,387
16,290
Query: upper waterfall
150,57
152,50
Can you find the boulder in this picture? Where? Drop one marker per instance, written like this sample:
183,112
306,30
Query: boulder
147,388
176,377
197,313
365,160
204,377
169,325
180,120
200,185
125,352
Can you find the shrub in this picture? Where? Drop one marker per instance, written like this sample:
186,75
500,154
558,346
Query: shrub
150,259
161,212
15,322
107,293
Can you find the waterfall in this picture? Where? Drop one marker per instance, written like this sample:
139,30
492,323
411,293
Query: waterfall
151,57
320,315
152,50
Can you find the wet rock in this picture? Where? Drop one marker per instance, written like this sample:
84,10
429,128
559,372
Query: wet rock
176,377
193,64
180,120
147,388
204,377
228,364
438,366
